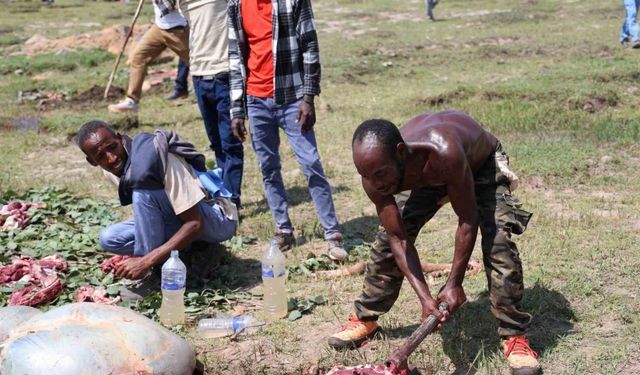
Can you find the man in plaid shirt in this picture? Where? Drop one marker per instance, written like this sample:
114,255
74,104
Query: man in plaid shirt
277,90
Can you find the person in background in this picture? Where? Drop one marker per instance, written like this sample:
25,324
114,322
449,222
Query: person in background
168,31
629,30
430,5
278,89
181,88
209,64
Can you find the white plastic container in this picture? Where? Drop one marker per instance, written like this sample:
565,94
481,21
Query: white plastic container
273,282
174,277
226,326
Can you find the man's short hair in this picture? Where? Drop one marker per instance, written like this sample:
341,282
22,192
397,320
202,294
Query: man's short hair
90,128
384,131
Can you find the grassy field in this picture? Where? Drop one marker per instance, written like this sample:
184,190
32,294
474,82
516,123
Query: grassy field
546,77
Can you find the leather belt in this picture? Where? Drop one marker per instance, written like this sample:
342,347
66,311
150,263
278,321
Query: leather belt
223,76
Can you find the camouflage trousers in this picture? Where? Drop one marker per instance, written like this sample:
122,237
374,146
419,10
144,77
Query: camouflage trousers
500,217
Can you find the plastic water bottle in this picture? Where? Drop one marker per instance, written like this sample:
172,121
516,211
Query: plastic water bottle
226,326
174,277
273,278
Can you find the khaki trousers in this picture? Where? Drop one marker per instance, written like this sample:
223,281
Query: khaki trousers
154,41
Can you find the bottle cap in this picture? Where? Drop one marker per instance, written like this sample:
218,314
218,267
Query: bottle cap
174,253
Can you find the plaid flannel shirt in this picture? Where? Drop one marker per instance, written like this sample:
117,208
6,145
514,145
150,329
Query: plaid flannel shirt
165,6
297,57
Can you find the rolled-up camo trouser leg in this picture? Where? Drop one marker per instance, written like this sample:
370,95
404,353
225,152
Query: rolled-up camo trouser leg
383,279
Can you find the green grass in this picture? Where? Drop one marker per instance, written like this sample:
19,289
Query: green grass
548,78
65,61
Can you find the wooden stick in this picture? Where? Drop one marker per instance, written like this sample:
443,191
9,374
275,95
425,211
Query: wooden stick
398,358
124,45
435,269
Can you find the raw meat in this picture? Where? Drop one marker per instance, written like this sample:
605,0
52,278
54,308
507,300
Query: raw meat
42,284
37,269
38,292
15,215
367,370
112,264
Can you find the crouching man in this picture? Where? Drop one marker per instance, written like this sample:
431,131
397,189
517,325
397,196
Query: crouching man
162,176
409,174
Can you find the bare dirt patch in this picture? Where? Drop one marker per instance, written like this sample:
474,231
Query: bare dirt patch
447,97
498,41
96,94
631,366
478,13
109,39
47,100
534,183
43,99
267,354
606,166
595,102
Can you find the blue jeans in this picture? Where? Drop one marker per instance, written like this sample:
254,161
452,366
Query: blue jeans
213,101
266,118
629,29
181,77
154,222
430,4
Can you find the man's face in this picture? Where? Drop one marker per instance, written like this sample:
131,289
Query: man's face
106,150
378,169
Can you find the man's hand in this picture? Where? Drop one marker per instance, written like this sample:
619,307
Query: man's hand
133,269
306,113
430,307
239,131
454,297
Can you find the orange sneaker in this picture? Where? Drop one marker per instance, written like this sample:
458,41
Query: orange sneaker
354,333
522,359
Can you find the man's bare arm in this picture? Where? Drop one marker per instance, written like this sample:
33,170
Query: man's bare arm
461,192
404,252
188,232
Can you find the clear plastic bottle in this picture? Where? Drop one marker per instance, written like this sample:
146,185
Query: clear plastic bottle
273,279
226,326
174,277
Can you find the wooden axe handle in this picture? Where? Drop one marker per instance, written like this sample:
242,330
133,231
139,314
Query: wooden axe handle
124,45
400,355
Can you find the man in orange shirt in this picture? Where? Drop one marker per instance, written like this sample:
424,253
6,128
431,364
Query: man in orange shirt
274,65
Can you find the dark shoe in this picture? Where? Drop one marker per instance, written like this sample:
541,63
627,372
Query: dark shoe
285,241
335,248
175,95
354,333
636,44
140,289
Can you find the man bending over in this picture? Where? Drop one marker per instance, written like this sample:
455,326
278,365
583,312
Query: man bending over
162,176
409,173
